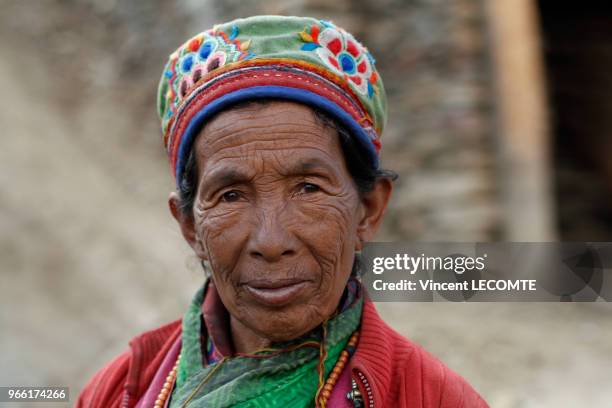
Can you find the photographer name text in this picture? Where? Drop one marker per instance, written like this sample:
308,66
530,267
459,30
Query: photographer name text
473,285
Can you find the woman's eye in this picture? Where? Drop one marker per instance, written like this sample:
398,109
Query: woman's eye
309,188
230,196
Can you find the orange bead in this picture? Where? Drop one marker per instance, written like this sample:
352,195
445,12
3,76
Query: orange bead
167,387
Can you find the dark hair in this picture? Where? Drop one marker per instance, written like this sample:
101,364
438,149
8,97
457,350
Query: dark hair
363,175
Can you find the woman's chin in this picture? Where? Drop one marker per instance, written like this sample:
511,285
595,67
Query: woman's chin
281,326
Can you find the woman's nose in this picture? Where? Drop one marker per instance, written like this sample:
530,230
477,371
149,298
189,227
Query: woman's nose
270,239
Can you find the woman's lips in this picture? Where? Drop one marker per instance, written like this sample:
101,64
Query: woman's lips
277,292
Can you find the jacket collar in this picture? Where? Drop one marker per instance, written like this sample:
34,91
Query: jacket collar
374,357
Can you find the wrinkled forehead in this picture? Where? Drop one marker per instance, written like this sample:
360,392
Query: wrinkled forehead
275,131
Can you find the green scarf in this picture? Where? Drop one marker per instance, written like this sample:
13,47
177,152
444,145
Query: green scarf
282,378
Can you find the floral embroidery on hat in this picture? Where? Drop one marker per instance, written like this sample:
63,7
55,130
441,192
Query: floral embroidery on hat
197,57
343,54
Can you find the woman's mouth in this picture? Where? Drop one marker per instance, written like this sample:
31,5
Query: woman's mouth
275,292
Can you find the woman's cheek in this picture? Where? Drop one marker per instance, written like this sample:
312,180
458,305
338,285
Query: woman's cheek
331,247
223,232
325,223
221,217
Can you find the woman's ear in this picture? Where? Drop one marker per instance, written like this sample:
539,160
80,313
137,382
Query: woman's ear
187,225
373,205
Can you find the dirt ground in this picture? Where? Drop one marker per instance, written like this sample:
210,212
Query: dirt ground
90,257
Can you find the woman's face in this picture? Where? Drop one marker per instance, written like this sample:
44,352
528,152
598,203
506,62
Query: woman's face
277,216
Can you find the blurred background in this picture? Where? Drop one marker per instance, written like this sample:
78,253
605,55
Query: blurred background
500,128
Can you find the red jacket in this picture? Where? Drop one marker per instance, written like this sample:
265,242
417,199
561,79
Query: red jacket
391,371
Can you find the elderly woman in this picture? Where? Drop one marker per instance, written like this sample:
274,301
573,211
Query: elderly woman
272,125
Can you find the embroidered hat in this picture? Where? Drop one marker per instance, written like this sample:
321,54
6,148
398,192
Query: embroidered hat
291,58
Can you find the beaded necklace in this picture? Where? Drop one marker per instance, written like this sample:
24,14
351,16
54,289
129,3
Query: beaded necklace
160,401
324,392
